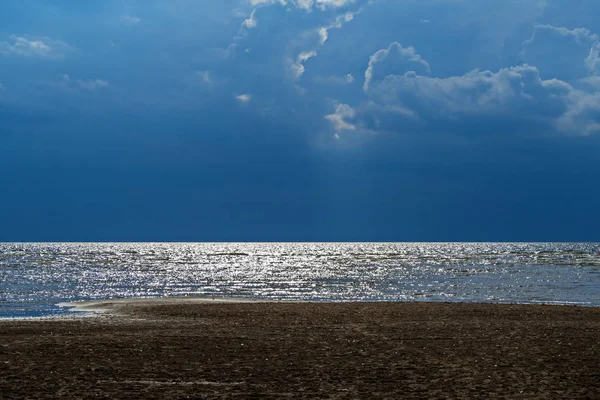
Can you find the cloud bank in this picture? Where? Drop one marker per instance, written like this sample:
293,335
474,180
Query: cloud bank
526,63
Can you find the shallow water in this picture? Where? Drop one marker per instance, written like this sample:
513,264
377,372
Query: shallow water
36,276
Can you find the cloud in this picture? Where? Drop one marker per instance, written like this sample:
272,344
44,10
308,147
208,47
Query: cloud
561,53
91,84
208,80
205,77
593,60
251,22
477,92
244,98
496,20
297,67
131,20
514,96
44,48
76,85
334,79
394,60
307,5
323,35
471,68
341,119
430,62
583,115
303,40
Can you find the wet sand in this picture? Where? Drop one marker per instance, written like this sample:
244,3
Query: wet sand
212,350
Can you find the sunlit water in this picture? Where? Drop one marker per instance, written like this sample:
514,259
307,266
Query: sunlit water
34,277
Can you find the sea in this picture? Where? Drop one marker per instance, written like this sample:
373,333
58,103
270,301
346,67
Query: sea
34,277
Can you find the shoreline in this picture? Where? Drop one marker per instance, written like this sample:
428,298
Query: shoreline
92,308
104,306
115,306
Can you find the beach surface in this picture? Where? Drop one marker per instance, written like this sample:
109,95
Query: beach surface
215,349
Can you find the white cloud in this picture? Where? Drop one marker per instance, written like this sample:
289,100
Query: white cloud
244,98
341,119
323,35
508,91
307,5
394,60
496,20
306,41
335,79
297,67
561,53
514,95
261,2
251,22
44,48
583,115
339,21
590,84
593,60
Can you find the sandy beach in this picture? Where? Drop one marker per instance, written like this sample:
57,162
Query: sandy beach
204,349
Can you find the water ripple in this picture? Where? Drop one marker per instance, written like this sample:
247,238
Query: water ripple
35,276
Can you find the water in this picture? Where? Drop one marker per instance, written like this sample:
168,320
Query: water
36,276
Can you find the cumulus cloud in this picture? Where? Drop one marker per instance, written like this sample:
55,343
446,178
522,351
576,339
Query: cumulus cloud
418,66
405,87
394,60
515,94
340,116
341,119
561,53
583,114
44,48
476,93
496,20
304,41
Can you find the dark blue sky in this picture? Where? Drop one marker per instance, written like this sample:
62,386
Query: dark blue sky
271,120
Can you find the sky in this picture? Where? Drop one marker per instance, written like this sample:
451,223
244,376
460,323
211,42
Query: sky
299,120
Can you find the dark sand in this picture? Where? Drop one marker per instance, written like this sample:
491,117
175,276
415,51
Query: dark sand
206,350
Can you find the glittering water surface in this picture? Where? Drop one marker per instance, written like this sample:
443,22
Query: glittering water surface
35,276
